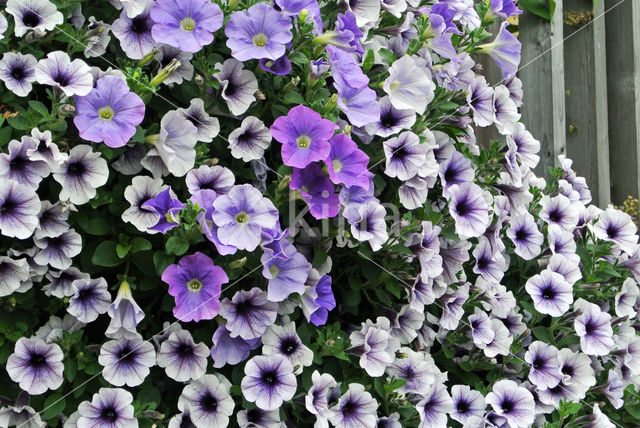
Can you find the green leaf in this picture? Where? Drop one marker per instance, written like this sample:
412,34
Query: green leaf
53,405
161,260
106,255
542,333
39,107
20,122
95,226
293,97
368,60
633,409
176,245
5,135
70,369
150,396
140,244
542,8
122,250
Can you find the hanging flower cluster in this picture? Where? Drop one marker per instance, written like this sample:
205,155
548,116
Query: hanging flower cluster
278,214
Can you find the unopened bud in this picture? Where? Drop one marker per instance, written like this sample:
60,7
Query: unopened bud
166,72
284,184
347,129
148,57
238,263
260,95
152,414
198,79
303,15
67,109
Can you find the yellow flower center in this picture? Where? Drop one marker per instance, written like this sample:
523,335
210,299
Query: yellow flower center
394,85
106,113
194,285
337,166
260,40
274,271
188,24
303,141
242,217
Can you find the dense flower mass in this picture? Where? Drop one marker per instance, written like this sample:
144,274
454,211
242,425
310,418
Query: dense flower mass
266,214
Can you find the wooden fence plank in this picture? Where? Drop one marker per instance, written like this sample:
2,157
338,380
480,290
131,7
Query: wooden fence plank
586,100
623,86
542,75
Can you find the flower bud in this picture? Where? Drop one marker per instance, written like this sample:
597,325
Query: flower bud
148,57
238,263
166,72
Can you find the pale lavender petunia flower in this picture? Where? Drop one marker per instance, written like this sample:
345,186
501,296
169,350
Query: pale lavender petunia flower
617,226
356,408
375,346
90,299
207,126
134,33
550,292
626,300
469,209
505,50
182,358
250,140
19,166
17,72
52,220
125,314
141,190
480,99
524,233
285,275
512,402
259,32
176,143
126,361
489,263
109,408
268,381
60,282
216,178
81,174
544,371
237,85
35,365
71,77
506,112
184,71
58,251
207,401
33,15
467,404
593,327
405,156
482,332
283,340
369,225
317,398
248,313
230,350
410,85
391,120
19,208
435,405
417,371
13,273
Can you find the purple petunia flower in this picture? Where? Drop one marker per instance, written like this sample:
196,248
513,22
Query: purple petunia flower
435,405
248,313
216,178
81,174
142,189
346,163
182,358
369,224
166,208
469,209
71,77
19,208
505,50
304,135
195,282
126,361
268,381
317,190
317,399
230,350
33,15
90,299
392,120
187,25
559,211
279,67
259,32
109,408
284,341
417,371
237,85
250,140
524,233
19,166
285,275
35,365
512,402
467,403
593,327
17,72
456,168
550,292
241,215
109,113
318,300
405,156
134,33
490,264
207,401
480,99
57,251
375,345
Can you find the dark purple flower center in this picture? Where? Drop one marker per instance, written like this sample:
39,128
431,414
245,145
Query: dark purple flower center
507,405
109,414
244,307
270,377
463,207
126,354
388,120
246,138
590,327
37,360
76,169
450,174
184,350
186,422
17,72
140,25
522,234
86,294
289,345
555,216
231,88
548,293
400,153
483,263
30,19
538,363
208,402
61,78
8,206
17,163
568,370
463,406
349,408
254,416
409,373
612,231
194,117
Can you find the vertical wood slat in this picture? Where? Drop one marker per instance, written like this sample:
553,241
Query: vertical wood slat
586,99
491,71
623,86
542,75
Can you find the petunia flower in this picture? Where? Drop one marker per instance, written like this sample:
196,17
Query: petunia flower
593,327
505,50
17,165
248,313
139,192
35,365
19,208
268,381
109,113
90,298
469,209
435,405
259,32
195,282
250,140
125,314
17,72
207,400
207,127
304,135
110,407
550,292
127,361
188,25
230,350
134,32
513,402
356,408
81,174
182,358
33,15
410,85
71,77
316,189
176,143
237,85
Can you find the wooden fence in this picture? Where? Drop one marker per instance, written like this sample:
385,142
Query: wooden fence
581,82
